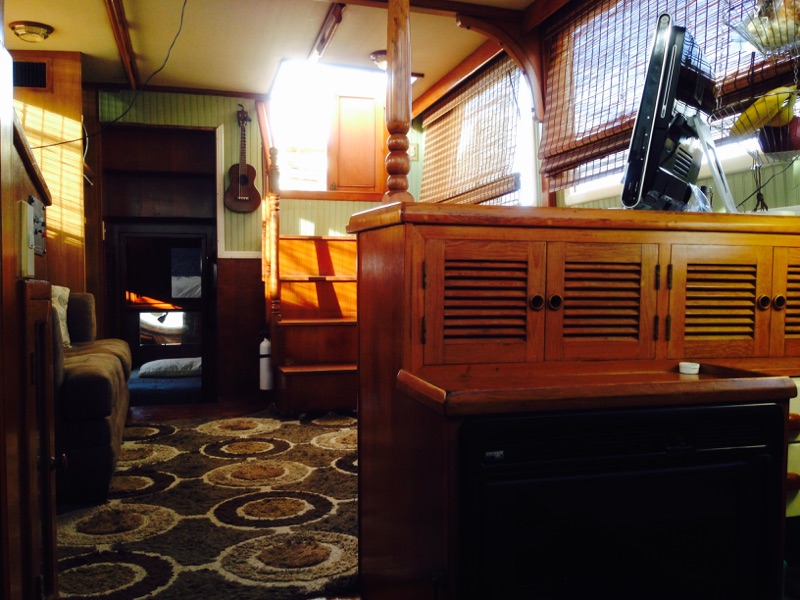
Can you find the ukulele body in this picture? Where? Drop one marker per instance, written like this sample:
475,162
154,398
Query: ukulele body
242,195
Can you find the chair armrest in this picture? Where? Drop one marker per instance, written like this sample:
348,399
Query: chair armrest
81,321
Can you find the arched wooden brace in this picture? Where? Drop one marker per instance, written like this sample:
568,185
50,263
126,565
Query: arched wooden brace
522,47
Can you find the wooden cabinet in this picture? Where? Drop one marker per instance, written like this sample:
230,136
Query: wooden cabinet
557,286
734,301
527,301
494,300
38,448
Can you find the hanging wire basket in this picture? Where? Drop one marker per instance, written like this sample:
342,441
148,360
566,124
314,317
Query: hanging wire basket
768,126
766,123
771,26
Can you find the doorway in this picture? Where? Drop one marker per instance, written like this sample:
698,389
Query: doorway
163,301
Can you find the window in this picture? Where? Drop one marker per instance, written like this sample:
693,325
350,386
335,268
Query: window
596,54
327,123
479,141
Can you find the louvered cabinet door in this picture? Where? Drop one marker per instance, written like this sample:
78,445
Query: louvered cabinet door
719,301
601,301
483,301
785,303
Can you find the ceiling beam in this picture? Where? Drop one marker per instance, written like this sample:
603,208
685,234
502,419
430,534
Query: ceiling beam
329,27
449,8
119,26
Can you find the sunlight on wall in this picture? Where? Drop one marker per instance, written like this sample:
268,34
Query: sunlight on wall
307,227
62,167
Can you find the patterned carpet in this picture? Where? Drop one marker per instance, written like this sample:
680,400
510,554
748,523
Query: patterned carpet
253,507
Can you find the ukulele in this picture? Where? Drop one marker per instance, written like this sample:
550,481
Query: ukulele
242,195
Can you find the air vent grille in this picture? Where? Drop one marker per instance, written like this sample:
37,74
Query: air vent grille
602,300
485,300
720,301
30,74
792,323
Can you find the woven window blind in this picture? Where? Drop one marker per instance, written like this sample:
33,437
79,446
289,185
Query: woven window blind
471,140
596,54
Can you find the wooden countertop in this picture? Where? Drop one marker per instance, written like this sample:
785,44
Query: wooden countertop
637,387
422,213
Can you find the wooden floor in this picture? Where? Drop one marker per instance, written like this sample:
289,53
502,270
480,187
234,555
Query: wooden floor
224,408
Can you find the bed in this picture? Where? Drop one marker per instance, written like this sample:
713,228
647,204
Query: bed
167,381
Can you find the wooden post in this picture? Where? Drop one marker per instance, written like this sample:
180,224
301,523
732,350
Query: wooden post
274,237
398,101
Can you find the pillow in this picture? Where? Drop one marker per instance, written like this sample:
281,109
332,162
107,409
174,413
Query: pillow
172,367
60,299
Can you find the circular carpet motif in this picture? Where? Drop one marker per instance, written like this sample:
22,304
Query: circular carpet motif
114,522
239,427
147,432
134,454
250,447
258,473
130,485
113,575
306,558
273,509
334,420
204,510
347,464
346,439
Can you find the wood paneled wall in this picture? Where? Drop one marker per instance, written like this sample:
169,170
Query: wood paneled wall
242,230
51,118
240,321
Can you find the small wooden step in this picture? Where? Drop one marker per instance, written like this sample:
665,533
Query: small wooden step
317,387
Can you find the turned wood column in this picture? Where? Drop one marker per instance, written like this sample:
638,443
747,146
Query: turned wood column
398,101
274,225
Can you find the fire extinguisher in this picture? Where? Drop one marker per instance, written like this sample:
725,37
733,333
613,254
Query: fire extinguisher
264,350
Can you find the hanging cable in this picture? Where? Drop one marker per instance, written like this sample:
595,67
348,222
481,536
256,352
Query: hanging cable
139,91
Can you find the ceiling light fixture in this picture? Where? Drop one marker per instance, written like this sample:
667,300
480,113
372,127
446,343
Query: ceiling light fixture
30,31
379,58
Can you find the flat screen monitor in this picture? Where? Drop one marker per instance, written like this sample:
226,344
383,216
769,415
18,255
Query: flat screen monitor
666,151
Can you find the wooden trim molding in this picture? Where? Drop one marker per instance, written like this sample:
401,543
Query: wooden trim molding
486,52
331,195
31,166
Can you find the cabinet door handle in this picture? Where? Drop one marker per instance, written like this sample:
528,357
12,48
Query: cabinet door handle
536,302
779,302
763,302
792,482
555,301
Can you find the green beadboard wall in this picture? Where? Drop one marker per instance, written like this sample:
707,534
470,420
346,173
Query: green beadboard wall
781,183
319,217
242,230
